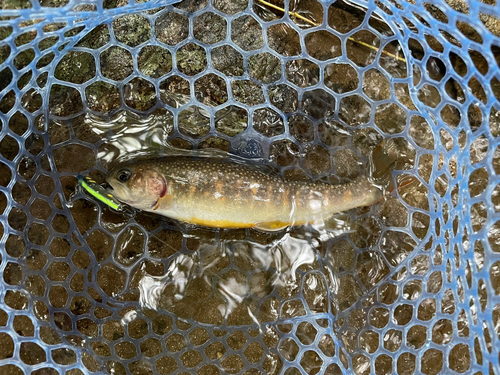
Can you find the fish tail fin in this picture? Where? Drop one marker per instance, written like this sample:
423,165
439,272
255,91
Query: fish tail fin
383,161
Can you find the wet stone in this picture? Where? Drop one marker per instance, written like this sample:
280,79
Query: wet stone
246,32
211,90
8,101
301,128
344,17
209,28
175,91
64,101
317,160
175,342
32,100
9,147
65,158
194,122
17,219
13,274
125,350
96,38
268,122
139,94
318,104
32,353
23,326
390,118
166,365
231,120
171,28
354,110
230,7
140,25
24,80
102,97
232,364
24,58
111,279
284,97
5,78
357,52
323,45
247,92
116,63
16,300
191,5
76,67
284,39
191,59
34,144
289,349
264,67
15,246
311,362
302,72
306,333
154,61
227,60
129,247
341,78
4,53
215,142
47,43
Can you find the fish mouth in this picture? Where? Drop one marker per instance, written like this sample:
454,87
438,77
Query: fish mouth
119,192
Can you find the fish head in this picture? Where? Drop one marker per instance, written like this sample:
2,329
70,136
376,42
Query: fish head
140,186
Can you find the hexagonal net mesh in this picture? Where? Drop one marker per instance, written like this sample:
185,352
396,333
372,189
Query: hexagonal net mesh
311,87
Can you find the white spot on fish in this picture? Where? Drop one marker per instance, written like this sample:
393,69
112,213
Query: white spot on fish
315,205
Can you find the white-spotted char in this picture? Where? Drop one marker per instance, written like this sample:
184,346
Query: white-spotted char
220,194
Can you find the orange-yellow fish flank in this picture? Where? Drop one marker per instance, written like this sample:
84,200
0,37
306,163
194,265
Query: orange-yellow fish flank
220,194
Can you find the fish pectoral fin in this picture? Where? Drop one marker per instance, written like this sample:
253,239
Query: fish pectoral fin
165,201
271,226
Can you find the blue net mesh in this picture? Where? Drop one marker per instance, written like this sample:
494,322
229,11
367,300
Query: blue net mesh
413,287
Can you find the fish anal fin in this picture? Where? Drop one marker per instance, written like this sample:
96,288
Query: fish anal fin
338,223
271,226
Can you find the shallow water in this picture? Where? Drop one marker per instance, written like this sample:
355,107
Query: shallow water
136,289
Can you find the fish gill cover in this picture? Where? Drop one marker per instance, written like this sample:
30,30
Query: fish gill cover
310,86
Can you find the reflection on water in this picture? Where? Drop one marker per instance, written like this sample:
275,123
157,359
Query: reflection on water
130,133
213,290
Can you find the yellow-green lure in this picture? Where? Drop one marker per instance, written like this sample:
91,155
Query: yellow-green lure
97,191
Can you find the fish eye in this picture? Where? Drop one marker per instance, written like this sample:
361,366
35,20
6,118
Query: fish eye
124,175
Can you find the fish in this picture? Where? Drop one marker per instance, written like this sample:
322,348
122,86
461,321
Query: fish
222,194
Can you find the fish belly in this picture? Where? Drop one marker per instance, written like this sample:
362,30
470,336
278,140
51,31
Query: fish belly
225,213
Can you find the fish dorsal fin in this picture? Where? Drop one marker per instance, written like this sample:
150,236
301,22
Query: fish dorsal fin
258,165
265,168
